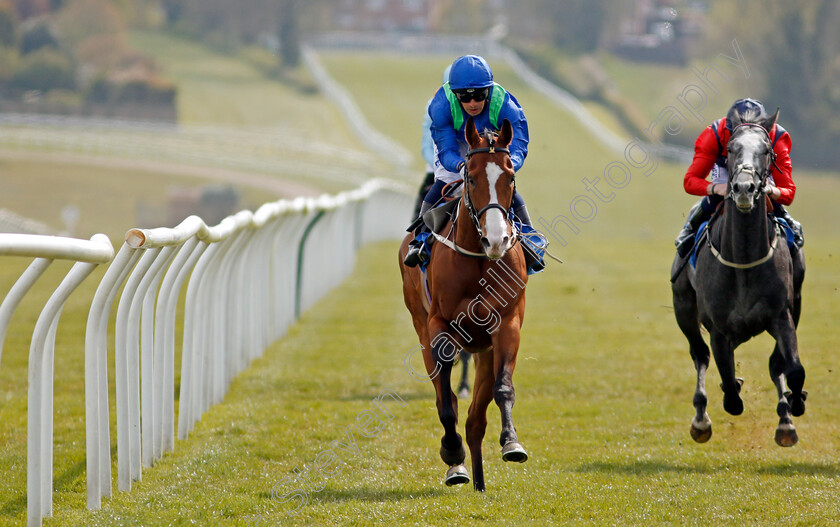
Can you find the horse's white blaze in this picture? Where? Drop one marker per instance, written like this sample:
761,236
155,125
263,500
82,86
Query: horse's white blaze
495,227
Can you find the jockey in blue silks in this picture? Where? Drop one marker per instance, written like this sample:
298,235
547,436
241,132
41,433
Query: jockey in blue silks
470,92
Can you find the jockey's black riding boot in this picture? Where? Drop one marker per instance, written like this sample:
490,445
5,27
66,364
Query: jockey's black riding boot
685,239
796,227
532,260
415,247
521,212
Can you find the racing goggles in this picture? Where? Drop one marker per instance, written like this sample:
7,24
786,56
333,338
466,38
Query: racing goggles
472,94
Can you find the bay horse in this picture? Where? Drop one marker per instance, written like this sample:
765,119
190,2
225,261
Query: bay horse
476,280
746,281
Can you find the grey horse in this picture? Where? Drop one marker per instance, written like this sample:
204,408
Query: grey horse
746,281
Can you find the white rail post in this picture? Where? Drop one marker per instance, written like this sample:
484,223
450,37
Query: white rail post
97,425
165,337
127,365
193,313
17,292
149,380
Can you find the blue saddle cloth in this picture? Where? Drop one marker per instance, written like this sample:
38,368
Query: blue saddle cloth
786,229
697,237
791,241
425,249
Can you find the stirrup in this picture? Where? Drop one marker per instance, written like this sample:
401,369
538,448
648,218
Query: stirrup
414,257
685,245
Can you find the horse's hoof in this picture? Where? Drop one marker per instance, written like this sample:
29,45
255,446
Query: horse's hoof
514,452
456,475
699,435
733,404
786,435
464,393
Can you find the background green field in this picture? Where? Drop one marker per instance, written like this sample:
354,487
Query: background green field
604,381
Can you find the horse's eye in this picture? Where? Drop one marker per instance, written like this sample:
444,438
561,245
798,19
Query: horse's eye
471,181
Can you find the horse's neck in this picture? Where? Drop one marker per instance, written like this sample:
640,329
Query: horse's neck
743,237
466,236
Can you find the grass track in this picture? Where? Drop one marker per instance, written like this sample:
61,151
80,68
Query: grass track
604,386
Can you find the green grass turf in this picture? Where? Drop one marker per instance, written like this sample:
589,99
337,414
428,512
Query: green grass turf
604,383
109,200
698,100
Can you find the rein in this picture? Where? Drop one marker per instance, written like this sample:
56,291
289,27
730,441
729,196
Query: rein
765,175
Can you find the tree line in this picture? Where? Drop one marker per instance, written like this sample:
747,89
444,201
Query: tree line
792,45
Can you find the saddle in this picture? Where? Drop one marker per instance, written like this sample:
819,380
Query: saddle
436,218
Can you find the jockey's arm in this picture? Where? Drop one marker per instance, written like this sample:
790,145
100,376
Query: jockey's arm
443,133
705,155
518,147
782,172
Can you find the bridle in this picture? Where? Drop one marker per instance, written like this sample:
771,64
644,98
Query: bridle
749,169
475,216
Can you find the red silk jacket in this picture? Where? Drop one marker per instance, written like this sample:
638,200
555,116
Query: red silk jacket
711,145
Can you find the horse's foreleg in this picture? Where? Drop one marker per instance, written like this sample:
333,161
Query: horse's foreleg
443,351
477,417
685,309
701,425
505,347
724,353
785,432
785,367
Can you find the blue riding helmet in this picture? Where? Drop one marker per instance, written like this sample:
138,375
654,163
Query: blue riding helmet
470,72
741,107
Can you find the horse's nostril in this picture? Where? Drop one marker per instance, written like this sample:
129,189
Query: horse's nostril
752,188
485,242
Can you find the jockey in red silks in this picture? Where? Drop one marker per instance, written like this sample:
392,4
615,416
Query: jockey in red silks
710,160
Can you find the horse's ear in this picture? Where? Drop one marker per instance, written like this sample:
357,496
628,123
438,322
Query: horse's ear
770,121
471,133
735,121
505,134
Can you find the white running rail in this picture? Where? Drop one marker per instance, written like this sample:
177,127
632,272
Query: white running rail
88,254
248,279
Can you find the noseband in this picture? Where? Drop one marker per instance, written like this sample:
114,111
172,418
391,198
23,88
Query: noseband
476,216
